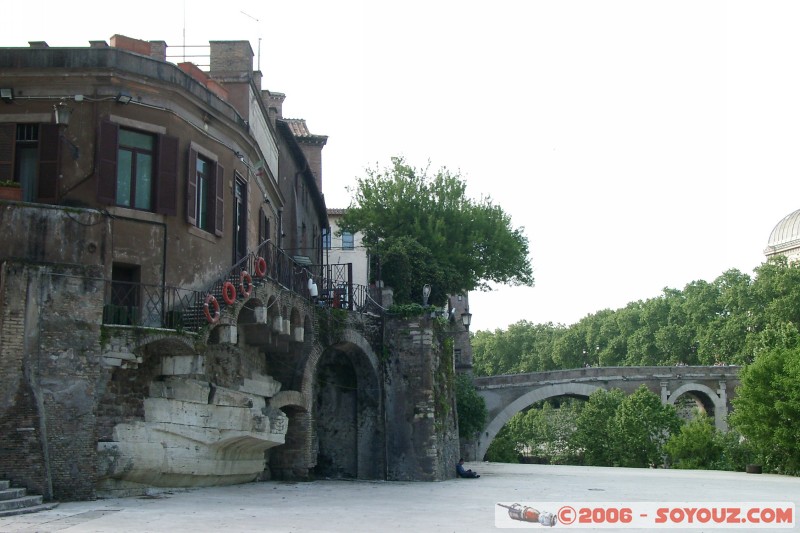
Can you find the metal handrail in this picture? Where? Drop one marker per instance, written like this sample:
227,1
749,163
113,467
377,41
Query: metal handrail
143,305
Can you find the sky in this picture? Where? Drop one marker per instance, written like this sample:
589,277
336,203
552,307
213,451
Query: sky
641,145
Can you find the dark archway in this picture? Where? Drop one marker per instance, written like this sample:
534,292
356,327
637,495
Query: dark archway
346,406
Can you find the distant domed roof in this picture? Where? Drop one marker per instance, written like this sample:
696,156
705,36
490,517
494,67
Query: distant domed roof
785,233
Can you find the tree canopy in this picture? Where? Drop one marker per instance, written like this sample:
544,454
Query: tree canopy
728,320
423,229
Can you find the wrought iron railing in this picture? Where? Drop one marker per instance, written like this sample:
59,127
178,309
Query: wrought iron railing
163,306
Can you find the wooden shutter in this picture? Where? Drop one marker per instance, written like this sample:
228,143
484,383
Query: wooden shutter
107,145
49,151
8,135
167,176
191,188
219,204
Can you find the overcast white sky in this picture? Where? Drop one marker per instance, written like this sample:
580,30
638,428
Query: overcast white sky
641,144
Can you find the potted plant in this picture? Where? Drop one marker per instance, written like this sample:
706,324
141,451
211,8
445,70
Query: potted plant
10,190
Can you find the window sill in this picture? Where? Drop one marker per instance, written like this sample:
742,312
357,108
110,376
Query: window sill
197,232
136,213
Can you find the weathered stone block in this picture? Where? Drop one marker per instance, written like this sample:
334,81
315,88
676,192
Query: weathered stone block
262,385
179,365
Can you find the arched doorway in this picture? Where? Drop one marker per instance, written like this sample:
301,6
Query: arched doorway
346,404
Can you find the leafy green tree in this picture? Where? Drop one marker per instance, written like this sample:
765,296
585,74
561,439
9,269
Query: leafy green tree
470,406
767,408
695,446
504,448
594,432
425,229
640,427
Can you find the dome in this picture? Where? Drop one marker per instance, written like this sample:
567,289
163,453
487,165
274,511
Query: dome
785,235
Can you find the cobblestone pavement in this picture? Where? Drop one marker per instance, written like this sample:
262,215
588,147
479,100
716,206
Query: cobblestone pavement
457,505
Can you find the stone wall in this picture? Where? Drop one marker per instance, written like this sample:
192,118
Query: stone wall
50,325
422,432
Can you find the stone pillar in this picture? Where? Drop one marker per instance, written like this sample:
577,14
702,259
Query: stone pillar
721,409
422,435
664,392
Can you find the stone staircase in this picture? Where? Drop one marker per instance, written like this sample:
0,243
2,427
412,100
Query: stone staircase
15,501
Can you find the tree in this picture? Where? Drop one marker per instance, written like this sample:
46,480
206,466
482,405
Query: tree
425,230
470,406
695,446
640,427
767,408
593,435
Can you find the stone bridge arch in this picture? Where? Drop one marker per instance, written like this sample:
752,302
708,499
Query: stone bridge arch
713,401
506,395
582,390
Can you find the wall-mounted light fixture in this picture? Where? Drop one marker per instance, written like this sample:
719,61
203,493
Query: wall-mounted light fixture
124,98
7,94
63,112
466,319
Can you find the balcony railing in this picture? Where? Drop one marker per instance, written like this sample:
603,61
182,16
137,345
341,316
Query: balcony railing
164,306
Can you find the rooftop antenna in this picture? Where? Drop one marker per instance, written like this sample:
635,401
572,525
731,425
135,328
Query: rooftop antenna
259,39
184,31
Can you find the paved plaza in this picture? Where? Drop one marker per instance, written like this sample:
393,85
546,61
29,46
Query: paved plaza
458,505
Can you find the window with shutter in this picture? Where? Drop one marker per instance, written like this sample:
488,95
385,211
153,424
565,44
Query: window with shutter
137,169
204,193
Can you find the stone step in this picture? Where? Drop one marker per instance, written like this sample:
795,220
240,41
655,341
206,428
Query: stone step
4,484
31,509
18,503
11,494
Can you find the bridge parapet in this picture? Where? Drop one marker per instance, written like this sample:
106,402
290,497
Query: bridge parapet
608,373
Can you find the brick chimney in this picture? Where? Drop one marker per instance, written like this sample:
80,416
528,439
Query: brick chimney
231,64
274,103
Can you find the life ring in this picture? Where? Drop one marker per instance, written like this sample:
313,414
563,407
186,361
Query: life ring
245,278
211,302
228,293
261,267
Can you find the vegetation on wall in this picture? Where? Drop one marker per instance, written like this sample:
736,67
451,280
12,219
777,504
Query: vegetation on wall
471,407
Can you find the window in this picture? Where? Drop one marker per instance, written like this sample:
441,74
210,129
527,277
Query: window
347,240
204,181
123,307
137,169
326,239
29,156
204,192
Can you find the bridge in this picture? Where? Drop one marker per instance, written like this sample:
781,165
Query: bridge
711,387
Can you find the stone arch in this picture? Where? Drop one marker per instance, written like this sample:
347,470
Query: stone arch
541,393
343,387
708,397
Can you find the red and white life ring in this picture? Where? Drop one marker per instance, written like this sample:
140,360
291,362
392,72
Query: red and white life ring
228,293
245,280
211,302
261,267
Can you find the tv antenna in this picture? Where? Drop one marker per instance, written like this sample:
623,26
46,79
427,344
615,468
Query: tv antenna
259,39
